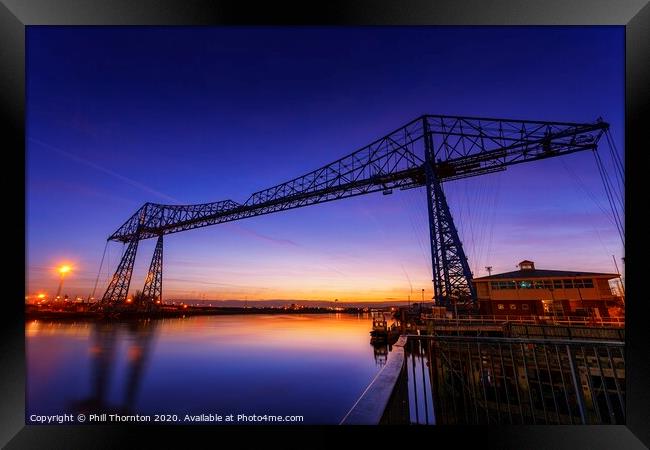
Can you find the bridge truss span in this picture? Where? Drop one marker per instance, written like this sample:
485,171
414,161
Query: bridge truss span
426,152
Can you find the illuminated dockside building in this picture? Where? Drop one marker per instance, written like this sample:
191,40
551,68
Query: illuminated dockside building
531,291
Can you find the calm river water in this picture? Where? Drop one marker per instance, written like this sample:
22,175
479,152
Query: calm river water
314,365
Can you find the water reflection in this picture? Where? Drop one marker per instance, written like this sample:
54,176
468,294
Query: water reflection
314,365
103,350
380,352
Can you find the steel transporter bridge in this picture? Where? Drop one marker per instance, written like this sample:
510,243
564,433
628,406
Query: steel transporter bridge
426,152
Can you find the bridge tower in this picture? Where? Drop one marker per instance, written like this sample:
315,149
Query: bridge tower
118,288
451,273
152,292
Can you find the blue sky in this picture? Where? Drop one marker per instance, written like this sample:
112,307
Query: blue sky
120,116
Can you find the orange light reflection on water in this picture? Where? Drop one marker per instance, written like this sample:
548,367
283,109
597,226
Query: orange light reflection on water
312,364
297,331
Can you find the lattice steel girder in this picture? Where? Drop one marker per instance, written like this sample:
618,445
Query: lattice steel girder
152,292
118,288
451,273
462,147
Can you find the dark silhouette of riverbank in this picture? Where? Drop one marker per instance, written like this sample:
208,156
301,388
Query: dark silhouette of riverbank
86,313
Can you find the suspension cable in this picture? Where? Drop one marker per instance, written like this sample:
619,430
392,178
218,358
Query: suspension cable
488,252
610,199
619,172
486,220
616,157
573,176
414,206
99,271
616,199
618,188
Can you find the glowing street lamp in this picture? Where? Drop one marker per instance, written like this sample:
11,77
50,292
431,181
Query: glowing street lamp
63,270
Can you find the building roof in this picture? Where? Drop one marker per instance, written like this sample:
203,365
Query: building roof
542,273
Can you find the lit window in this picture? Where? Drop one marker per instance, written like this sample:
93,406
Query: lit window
501,306
513,306
503,285
525,284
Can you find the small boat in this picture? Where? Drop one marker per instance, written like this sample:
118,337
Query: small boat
381,332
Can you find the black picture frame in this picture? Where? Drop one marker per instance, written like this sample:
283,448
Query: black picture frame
634,15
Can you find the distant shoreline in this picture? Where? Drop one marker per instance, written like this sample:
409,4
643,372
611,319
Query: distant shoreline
179,313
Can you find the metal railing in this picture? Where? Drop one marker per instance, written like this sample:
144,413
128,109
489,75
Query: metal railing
383,401
496,380
474,380
499,319
555,331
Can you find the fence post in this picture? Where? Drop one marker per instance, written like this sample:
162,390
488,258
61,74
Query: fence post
578,389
